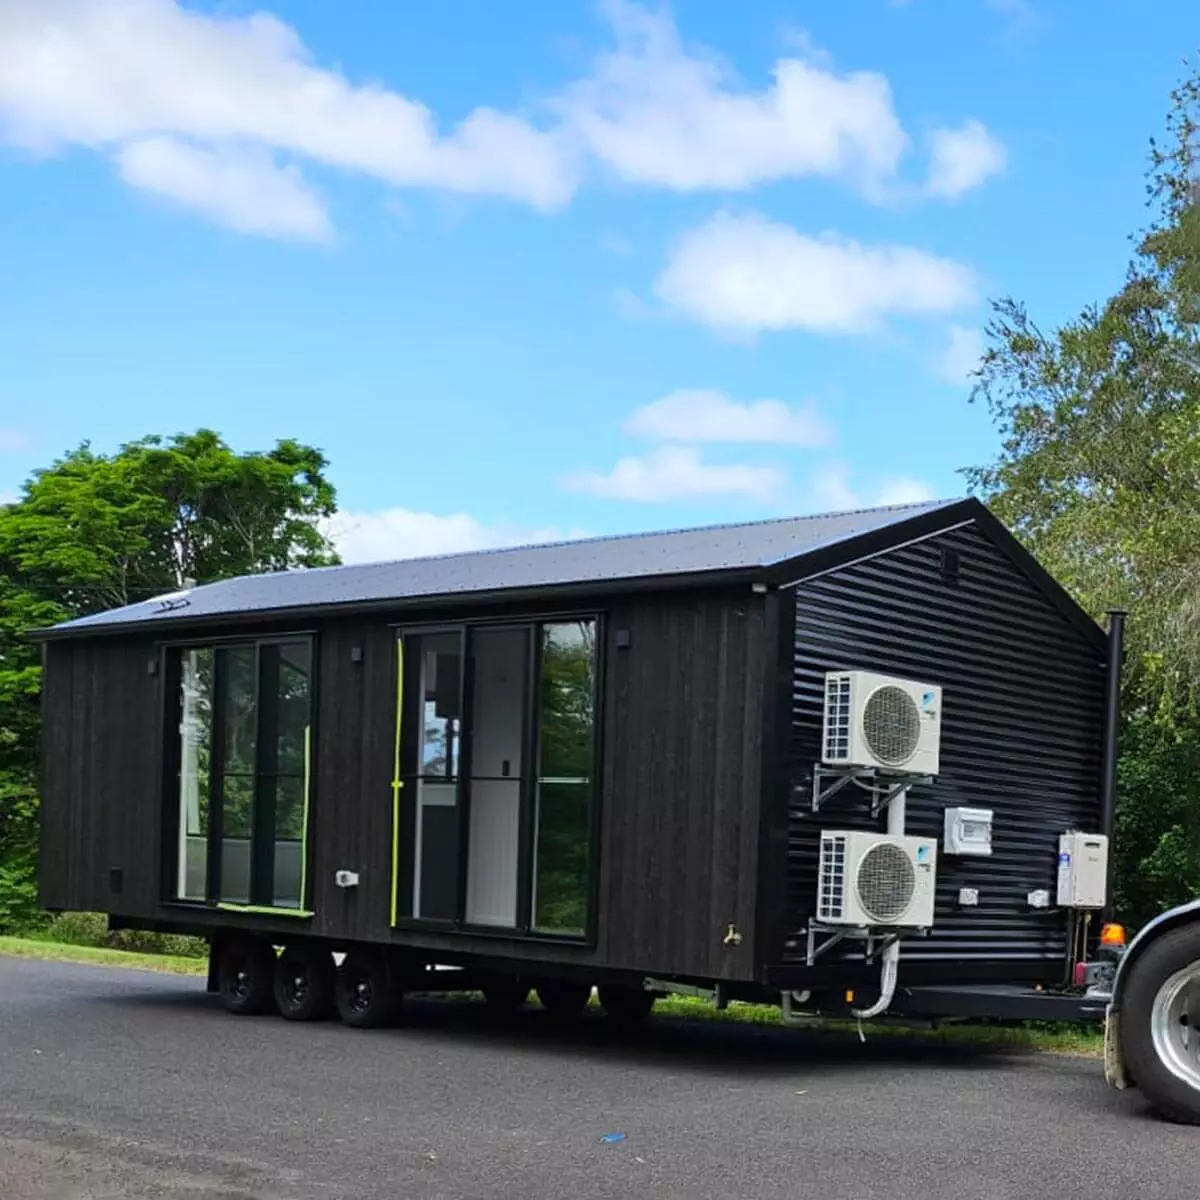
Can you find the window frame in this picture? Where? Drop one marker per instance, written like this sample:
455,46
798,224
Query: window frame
403,844
170,670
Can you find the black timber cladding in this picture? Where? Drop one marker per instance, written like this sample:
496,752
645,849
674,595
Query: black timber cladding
679,807
1021,734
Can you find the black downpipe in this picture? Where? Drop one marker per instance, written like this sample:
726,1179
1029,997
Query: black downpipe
1112,723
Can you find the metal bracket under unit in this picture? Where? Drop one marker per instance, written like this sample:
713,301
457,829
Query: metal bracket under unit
876,942
883,789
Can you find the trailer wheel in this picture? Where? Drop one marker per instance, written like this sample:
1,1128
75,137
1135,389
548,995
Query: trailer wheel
305,979
626,1005
366,993
1160,1024
563,999
505,994
245,974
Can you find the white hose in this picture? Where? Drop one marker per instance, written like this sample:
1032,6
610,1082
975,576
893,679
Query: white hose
890,959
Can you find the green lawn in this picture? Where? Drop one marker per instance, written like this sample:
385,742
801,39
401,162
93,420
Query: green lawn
16,947
1065,1039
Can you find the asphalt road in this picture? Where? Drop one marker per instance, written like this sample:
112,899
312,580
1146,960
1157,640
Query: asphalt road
127,1084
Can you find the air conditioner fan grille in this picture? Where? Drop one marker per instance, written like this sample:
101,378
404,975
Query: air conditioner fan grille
886,882
891,725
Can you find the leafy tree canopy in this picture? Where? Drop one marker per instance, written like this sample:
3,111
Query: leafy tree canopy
96,531
1099,473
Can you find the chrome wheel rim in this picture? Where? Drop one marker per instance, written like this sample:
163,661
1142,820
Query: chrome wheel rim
1175,1025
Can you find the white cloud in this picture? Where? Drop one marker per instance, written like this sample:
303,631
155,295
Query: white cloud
104,73
962,158
829,489
395,533
745,274
236,186
8,498
12,441
678,473
703,415
657,114
961,354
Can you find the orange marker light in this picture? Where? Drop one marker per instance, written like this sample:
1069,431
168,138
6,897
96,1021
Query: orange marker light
849,997
1112,935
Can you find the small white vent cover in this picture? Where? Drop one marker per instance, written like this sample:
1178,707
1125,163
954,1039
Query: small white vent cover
878,721
876,880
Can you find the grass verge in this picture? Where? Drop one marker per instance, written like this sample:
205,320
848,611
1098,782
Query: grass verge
17,947
1048,1039
1082,1040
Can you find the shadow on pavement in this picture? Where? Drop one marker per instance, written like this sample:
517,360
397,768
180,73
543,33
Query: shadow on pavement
707,1046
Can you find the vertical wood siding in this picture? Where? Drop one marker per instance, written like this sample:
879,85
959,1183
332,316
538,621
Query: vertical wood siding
681,750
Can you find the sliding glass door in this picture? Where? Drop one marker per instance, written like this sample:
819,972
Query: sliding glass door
494,791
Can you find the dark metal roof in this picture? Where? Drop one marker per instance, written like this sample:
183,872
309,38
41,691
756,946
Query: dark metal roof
690,554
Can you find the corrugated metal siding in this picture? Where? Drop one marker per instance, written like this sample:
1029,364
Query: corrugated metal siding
1021,734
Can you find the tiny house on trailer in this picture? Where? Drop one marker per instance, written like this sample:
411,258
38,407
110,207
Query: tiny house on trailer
778,760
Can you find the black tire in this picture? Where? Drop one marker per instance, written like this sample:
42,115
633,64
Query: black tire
366,991
626,1005
505,995
563,999
245,975
305,980
1170,1095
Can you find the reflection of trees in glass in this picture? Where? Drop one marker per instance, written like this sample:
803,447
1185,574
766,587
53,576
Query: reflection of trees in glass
237,678
195,731
244,764
294,702
441,671
566,763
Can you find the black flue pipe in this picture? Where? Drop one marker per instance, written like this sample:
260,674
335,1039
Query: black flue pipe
1112,723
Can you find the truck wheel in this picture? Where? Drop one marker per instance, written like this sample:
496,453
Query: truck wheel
366,994
626,1005
245,975
1160,1024
563,999
305,978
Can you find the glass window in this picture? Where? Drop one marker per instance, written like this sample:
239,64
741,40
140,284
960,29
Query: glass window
566,709
195,735
441,676
244,740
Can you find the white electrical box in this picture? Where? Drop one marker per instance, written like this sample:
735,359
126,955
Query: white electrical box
967,831
1082,870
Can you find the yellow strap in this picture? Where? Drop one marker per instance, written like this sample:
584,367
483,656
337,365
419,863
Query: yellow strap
397,782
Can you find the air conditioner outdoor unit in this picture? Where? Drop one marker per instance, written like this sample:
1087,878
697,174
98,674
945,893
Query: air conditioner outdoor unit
871,720
876,880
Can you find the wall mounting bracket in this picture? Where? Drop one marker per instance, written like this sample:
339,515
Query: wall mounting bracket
821,938
883,787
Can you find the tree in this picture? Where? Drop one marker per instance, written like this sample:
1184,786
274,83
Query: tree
1099,473
97,531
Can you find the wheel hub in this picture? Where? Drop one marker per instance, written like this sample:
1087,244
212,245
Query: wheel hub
1175,1025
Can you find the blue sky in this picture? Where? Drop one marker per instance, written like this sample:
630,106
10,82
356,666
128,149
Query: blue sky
530,269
